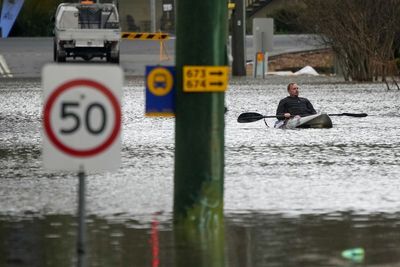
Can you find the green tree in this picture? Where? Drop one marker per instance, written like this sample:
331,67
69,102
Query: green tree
35,18
362,33
286,19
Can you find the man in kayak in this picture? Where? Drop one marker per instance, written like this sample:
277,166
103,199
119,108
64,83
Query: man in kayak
293,105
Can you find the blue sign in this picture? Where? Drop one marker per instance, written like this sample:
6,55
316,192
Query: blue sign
160,91
9,13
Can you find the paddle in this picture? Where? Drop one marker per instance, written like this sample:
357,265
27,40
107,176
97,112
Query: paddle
350,114
253,116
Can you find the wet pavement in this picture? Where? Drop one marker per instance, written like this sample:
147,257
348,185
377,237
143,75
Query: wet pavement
25,57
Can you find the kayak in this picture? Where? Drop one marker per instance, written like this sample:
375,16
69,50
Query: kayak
320,120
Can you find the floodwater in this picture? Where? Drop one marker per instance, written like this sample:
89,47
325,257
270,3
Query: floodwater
292,197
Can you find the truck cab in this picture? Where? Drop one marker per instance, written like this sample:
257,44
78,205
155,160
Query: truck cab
87,30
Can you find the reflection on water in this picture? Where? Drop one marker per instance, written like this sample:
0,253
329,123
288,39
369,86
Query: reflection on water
252,239
292,198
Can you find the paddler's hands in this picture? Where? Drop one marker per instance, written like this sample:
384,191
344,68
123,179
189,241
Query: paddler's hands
286,115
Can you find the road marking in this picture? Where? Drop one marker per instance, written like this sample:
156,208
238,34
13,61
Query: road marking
4,70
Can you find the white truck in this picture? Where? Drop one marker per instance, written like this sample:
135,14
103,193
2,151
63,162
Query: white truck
87,30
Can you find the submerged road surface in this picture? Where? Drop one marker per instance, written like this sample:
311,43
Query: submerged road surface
26,57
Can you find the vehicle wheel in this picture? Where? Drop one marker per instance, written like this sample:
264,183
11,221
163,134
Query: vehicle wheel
55,51
60,58
115,59
59,53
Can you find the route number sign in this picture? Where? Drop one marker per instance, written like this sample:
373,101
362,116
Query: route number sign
205,78
81,117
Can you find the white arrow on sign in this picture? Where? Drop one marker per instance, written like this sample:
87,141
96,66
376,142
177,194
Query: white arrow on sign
82,117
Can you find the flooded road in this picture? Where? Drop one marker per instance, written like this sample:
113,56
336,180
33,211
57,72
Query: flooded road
292,197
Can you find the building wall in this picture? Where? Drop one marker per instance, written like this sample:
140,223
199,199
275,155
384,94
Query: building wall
139,13
35,16
276,4
134,14
268,10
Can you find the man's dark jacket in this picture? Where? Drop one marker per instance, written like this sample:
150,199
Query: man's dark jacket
295,106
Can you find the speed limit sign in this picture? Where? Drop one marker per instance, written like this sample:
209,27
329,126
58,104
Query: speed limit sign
81,117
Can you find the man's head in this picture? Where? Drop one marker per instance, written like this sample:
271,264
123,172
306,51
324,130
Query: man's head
293,89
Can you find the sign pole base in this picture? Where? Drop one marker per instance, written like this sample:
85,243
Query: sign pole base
81,246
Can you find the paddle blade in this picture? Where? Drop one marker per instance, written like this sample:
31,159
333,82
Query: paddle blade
350,114
355,114
249,117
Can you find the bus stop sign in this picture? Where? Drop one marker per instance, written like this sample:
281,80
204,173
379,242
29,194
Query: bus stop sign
160,91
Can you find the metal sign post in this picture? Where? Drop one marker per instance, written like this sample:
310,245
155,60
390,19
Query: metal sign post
81,126
263,32
81,245
153,15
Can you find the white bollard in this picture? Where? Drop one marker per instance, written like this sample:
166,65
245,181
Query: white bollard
4,70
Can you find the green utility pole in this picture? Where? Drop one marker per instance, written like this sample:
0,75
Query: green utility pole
201,38
199,139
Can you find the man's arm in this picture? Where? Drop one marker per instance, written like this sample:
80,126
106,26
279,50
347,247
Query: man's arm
310,107
281,108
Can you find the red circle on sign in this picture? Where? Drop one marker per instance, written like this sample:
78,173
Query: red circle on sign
72,151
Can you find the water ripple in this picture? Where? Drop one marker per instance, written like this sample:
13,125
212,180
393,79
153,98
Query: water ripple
352,166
